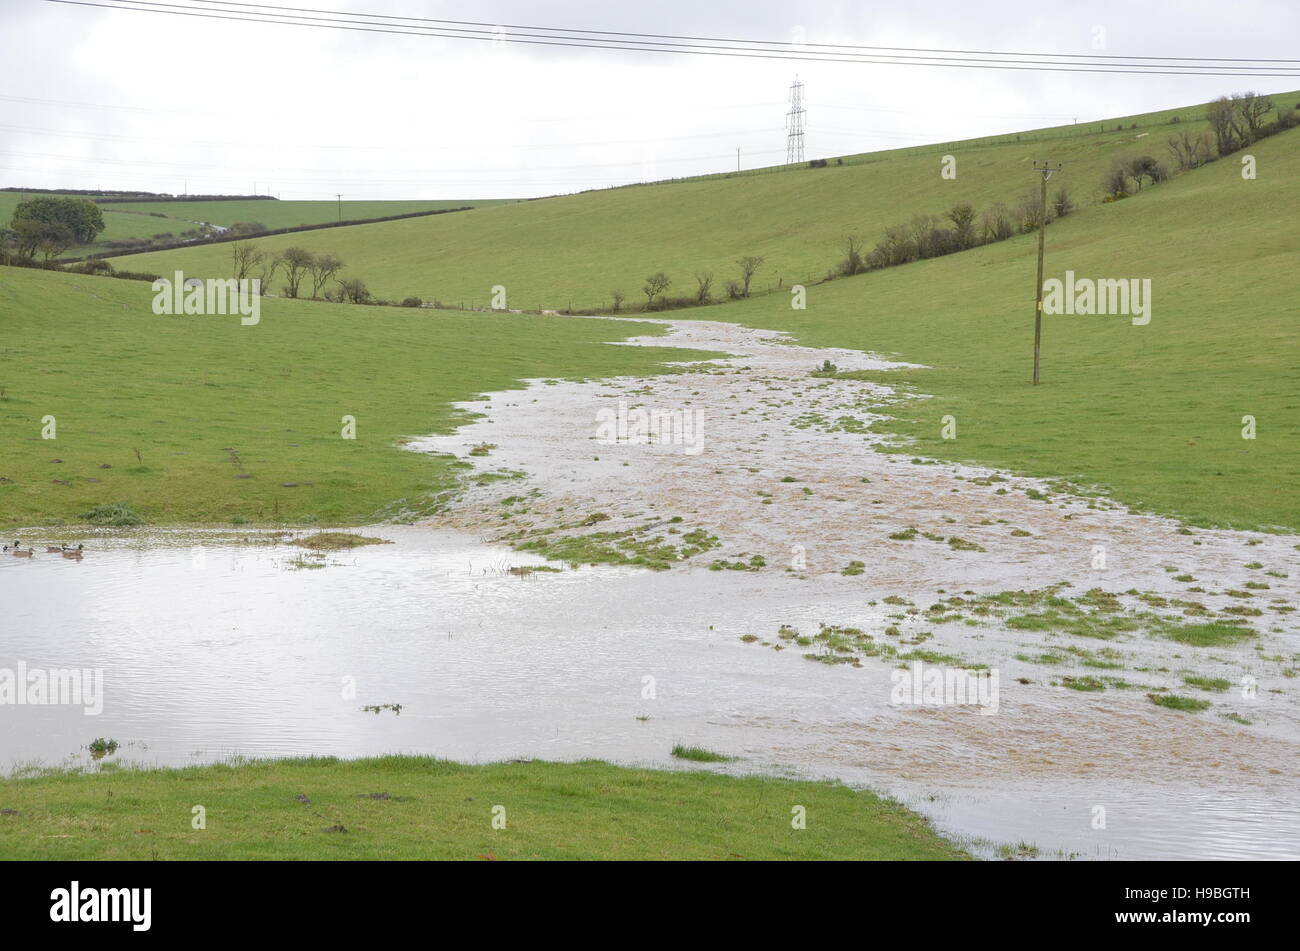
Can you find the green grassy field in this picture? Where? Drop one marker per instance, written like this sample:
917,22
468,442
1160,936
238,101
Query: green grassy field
145,219
420,808
205,400
1150,414
574,250
288,214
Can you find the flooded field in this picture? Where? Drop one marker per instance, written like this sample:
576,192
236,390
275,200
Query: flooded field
800,570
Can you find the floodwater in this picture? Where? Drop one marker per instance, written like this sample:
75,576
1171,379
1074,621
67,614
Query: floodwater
218,644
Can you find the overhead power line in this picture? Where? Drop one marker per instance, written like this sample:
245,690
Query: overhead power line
386,149
710,39
705,46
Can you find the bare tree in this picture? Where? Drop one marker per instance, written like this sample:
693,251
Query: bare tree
323,268
1029,211
247,256
54,242
853,262
705,282
1190,150
270,265
995,223
655,285
748,267
1062,203
296,263
619,297
1222,116
1251,109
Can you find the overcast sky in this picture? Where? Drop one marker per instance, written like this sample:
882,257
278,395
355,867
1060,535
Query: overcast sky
92,97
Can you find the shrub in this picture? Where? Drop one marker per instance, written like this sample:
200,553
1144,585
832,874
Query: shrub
655,285
1029,212
1062,204
995,225
962,216
704,282
354,291
93,266
853,261
749,265
1115,184
1191,151
412,302
119,514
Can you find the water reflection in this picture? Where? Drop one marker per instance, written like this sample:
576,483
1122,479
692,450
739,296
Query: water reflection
211,648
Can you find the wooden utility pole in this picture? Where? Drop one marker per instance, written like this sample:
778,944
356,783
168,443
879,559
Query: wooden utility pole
1044,170
340,198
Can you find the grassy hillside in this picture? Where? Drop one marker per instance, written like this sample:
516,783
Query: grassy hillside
399,807
1152,414
222,415
574,250
145,219
287,214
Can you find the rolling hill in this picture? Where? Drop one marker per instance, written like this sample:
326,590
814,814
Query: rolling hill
1150,415
144,219
572,251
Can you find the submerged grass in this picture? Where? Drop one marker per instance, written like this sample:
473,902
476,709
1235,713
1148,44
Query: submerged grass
1176,702
699,754
337,541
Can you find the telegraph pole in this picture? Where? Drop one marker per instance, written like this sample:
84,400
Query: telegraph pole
340,198
1044,170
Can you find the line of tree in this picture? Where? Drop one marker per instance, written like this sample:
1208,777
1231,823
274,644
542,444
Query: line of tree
92,192
137,197
1236,121
299,269
959,228
657,284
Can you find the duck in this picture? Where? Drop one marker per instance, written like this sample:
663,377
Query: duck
13,547
68,548
73,553
55,548
20,553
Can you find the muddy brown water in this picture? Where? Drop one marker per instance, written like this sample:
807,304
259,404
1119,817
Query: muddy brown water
212,646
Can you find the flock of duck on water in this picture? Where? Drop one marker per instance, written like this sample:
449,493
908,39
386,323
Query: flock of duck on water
67,551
